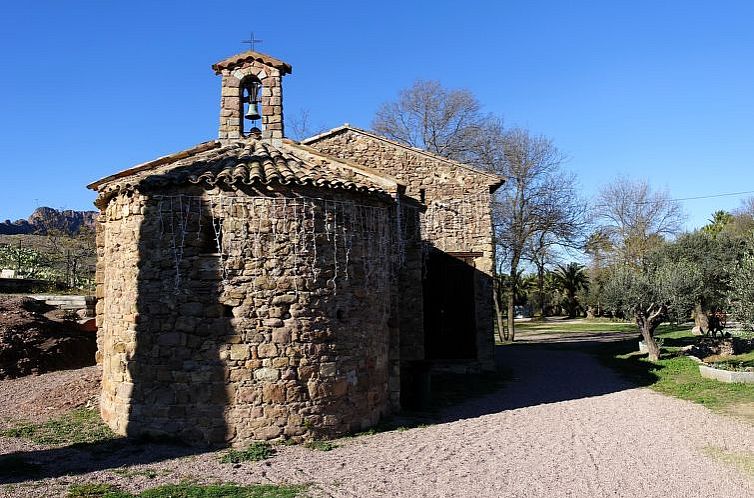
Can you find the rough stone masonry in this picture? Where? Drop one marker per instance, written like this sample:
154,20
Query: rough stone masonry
255,288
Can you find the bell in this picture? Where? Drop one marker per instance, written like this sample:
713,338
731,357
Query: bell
252,113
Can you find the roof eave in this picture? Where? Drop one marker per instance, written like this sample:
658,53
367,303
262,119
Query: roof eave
238,59
202,147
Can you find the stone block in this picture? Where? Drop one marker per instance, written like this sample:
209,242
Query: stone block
266,374
273,393
328,369
273,322
280,363
284,299
267,350
269,432
239,352
248,394
281,336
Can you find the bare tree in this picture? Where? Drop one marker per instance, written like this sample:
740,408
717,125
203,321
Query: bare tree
447,122
538,198
299,125
636,219
72,252
561,224
527,207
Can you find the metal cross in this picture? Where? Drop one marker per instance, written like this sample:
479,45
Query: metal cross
252,41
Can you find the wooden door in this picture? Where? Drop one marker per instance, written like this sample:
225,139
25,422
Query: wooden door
449,311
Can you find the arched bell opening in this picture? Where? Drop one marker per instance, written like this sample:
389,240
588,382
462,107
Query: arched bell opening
251,107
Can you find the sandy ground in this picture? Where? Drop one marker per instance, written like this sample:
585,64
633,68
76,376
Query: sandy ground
564,427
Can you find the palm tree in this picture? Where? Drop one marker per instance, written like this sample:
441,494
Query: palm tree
571,278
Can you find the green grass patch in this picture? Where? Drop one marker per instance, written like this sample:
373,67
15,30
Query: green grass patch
676,375
188,491
320,445
13,465
78,426
743,461
680,377
254,453
595,325
95,490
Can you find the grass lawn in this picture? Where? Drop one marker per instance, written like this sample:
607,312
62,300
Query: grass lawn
188,491
78,426
595,325
677,375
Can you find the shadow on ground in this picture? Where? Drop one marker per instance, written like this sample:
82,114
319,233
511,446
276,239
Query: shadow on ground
82,458
529,374
537,370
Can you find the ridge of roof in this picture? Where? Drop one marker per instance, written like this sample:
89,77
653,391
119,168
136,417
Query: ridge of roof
249,56
346,126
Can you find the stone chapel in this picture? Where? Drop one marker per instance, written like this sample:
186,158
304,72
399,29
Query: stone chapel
254,288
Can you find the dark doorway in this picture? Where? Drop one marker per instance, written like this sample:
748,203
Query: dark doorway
449,315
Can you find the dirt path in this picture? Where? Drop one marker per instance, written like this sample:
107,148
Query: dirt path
564,427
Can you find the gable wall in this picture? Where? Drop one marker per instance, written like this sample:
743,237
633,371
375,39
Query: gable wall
458,217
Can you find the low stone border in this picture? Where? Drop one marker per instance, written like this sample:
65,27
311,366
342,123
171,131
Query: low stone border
84,306
727,376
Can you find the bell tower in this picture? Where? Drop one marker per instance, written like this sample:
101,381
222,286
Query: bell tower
252,92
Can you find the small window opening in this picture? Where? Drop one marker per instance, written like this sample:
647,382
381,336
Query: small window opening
422,195
227,311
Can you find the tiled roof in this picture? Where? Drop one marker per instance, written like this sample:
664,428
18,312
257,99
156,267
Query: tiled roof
249,162
238,59
495,180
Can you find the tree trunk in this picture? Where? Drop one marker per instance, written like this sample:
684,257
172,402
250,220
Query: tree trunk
653,349
512,297
571,304
511,317
541,290
647,322
502,331
701,320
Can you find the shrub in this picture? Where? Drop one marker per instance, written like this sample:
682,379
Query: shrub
254,453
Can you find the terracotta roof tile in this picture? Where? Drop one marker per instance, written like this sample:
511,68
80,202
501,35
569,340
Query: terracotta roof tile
238,59
248,162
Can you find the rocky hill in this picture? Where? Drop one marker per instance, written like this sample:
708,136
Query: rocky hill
44,219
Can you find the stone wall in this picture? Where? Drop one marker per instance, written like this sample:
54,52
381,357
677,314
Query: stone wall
118,231
457,219
230,317
271,100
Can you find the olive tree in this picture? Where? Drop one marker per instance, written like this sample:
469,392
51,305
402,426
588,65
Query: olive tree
741,293
652,296
715,255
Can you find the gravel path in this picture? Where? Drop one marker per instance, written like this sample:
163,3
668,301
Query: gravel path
564,427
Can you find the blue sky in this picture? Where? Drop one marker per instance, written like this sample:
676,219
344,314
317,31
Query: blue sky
649,89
